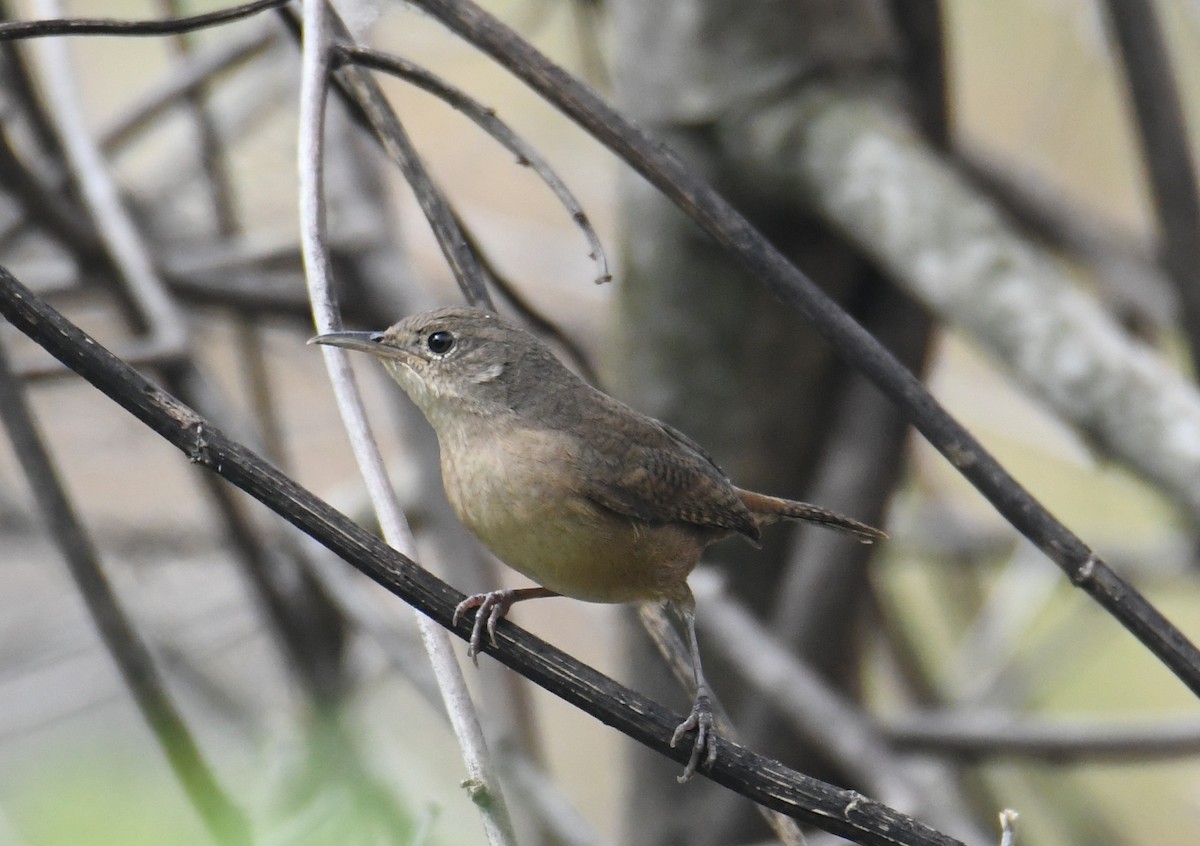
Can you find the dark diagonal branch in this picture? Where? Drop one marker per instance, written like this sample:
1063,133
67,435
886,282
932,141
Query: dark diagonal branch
759,256
761,779
223,818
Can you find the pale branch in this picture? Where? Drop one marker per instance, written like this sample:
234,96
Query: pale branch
949,246
314,86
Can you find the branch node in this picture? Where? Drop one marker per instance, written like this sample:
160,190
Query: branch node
856,799
1084,573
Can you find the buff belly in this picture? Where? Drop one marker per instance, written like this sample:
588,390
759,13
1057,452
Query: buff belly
561,540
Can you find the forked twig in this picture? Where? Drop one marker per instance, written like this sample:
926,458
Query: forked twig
488,121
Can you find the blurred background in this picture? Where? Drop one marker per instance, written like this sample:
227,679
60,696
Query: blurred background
291,670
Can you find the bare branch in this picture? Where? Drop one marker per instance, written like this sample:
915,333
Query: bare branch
314,81
979,735
366,98
487,120
10,30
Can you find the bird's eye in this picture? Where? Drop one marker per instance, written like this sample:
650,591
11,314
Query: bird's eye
440,342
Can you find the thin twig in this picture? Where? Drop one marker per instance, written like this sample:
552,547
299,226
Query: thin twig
315,69
111,26
486,119
1008,827
974,736
221,816
366,98
761,779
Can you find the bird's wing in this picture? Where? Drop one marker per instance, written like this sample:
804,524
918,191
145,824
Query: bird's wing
644,469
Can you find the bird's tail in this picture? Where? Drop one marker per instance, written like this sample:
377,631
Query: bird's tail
768,509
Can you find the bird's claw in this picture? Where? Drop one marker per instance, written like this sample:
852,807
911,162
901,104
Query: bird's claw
492,606
701,719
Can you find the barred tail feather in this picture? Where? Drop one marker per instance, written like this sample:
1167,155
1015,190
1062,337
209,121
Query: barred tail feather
769,509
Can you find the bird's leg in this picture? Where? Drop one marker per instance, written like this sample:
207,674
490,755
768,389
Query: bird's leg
701,718
492,606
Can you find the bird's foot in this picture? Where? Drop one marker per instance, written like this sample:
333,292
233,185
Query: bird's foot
704,747
492,606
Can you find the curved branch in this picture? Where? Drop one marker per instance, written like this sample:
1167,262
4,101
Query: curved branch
485,118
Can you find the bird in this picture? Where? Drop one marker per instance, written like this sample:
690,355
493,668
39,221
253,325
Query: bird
583,495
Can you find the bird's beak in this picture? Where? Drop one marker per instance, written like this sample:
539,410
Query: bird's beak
368,342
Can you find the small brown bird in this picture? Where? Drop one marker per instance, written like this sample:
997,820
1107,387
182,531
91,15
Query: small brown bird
566,485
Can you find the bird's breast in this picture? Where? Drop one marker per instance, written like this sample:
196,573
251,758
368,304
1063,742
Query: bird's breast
516,491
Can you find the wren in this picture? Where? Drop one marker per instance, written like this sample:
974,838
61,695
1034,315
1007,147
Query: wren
585,496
